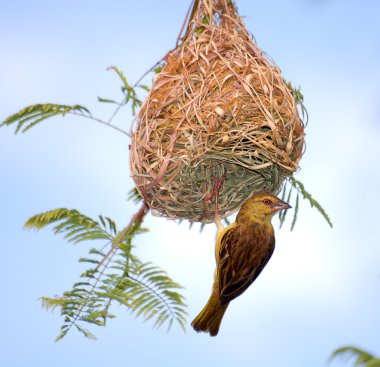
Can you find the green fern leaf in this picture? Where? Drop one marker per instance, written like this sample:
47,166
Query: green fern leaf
361,357
34,114
121,76
144,87
301,188
283,213
85,332
61,335
75,226
129,91
118,276
104,100
134,196
296,208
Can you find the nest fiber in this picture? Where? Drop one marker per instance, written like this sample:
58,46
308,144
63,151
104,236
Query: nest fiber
218,108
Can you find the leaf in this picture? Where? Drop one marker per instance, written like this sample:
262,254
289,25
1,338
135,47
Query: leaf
76,226
301,188
296,208
104,100
121,76
34,114
129,91
361,357
118,277
288,196
283,213
158,68
298,98
135,196
86,333
144,87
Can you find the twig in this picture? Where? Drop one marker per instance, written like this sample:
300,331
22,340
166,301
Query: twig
136,219
101,122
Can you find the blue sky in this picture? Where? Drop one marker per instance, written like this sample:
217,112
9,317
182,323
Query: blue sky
320,290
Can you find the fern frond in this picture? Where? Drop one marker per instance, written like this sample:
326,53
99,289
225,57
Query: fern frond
288,197
121,76
314,203
361,357
373,363
34,114
129,91
105,100
75,226
153,287
85,332
115,275
53,303
135,196
296,208
298,97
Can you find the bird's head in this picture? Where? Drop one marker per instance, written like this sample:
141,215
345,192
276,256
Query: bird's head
262,207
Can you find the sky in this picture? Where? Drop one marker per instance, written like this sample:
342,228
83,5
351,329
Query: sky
321,289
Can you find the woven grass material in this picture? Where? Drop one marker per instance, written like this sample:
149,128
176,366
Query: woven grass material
218,107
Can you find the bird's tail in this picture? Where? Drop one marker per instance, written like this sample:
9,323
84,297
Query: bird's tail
210,317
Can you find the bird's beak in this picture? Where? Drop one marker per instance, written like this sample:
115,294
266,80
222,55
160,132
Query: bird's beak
281,205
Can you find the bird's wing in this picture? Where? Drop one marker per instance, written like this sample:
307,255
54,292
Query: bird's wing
243,254
219,237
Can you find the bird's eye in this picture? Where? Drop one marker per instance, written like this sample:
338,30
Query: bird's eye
267,202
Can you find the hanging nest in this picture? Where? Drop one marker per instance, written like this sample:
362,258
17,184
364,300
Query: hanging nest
219,107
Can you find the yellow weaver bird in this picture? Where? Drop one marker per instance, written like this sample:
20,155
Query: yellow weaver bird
242,251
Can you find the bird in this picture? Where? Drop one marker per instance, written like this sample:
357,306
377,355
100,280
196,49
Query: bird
242,250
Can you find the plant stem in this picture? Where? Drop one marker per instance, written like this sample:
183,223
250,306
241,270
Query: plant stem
101,122
136,219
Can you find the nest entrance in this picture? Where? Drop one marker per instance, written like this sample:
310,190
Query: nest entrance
218,107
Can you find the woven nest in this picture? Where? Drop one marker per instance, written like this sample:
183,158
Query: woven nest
219,107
